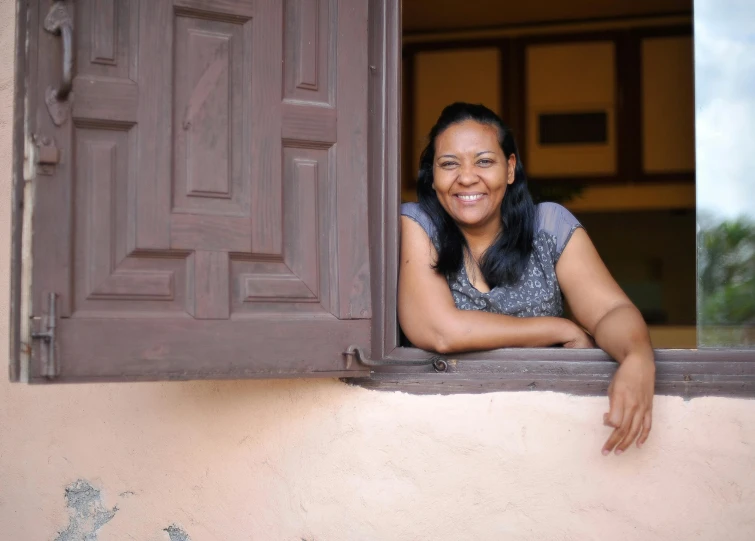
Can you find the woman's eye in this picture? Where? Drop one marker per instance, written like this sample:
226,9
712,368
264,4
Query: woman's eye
485,162
447,164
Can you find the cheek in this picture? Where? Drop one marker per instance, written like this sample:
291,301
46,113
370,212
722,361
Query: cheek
441,182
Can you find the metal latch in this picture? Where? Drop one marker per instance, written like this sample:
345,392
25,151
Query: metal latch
48,358
46,155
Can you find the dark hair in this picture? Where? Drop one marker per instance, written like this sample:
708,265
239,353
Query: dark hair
504,262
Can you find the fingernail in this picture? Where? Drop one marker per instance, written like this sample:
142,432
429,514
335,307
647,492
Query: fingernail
606,452
639,445
618,452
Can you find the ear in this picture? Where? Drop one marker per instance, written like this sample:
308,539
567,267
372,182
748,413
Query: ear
511,172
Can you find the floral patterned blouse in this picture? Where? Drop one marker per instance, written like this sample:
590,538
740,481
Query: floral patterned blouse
538,293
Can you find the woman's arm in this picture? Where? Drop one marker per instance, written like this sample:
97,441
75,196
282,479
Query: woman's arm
606,312
431,321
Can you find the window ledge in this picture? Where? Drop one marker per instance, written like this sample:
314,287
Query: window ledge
680,372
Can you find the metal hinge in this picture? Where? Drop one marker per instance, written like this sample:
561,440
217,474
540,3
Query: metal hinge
357,353
47,355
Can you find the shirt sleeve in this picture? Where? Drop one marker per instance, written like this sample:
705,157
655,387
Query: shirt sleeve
557,222
415,212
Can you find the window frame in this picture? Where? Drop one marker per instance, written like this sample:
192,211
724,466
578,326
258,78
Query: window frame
17,191
687,373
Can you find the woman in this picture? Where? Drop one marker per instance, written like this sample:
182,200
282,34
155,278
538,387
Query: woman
482,267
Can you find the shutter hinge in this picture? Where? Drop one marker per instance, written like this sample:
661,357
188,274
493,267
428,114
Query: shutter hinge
48,358
357,353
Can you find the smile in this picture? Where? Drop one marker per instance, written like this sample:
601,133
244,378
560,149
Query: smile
470,197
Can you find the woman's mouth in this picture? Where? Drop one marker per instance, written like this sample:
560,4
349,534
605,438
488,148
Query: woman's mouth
470,198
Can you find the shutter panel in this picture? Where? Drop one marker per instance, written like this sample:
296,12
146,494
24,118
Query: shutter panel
207,217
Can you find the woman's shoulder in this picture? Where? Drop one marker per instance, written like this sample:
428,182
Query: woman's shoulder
415,212
551,216
556,221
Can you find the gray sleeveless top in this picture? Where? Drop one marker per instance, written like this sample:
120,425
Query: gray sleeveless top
538,292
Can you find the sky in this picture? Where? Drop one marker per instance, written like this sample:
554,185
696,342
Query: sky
725,107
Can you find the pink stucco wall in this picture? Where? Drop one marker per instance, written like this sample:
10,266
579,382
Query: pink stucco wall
319,460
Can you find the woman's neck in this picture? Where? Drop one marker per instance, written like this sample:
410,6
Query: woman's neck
481,238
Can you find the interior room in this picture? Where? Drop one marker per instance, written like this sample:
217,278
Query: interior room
600,96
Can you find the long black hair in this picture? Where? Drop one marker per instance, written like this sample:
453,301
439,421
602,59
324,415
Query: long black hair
504,262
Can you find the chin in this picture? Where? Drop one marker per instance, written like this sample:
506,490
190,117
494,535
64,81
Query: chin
471,219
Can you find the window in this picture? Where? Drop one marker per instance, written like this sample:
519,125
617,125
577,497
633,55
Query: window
149,245
658,172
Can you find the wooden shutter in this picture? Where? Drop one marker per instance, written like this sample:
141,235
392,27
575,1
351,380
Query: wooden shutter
207,214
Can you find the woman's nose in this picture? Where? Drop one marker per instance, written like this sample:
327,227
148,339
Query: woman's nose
467,175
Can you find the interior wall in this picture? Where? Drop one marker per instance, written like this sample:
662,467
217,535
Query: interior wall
319,460
443,77
652,256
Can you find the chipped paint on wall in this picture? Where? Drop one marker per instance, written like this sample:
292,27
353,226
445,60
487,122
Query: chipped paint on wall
176,533
87,514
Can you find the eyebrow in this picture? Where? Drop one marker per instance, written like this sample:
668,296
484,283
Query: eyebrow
476,155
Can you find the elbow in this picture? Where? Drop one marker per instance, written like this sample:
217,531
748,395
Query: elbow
444,344
438,333
437,340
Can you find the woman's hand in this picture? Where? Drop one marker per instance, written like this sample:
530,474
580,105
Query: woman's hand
630,397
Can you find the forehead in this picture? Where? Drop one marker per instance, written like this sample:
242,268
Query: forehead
467,136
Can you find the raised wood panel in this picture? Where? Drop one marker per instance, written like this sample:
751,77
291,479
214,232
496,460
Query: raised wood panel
309,50
104,32
303,181
308,249
109,38
269,287
308,47
207,115
212,171
105,269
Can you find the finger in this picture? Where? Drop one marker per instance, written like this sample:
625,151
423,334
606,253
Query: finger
614,418
621,432
647,423
634,429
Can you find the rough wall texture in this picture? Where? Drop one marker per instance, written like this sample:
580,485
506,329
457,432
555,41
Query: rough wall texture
318,460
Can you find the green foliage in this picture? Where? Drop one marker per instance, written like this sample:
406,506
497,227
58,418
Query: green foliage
726,278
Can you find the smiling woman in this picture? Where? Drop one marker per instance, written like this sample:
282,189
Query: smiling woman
482,267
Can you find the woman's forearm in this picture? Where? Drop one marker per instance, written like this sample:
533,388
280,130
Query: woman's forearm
467,330
622,333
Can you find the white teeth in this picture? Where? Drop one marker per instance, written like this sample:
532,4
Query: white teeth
474,197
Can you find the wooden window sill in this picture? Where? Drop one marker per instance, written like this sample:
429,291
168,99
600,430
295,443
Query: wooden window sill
680,372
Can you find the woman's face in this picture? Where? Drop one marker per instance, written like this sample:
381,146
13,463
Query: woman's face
471,173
